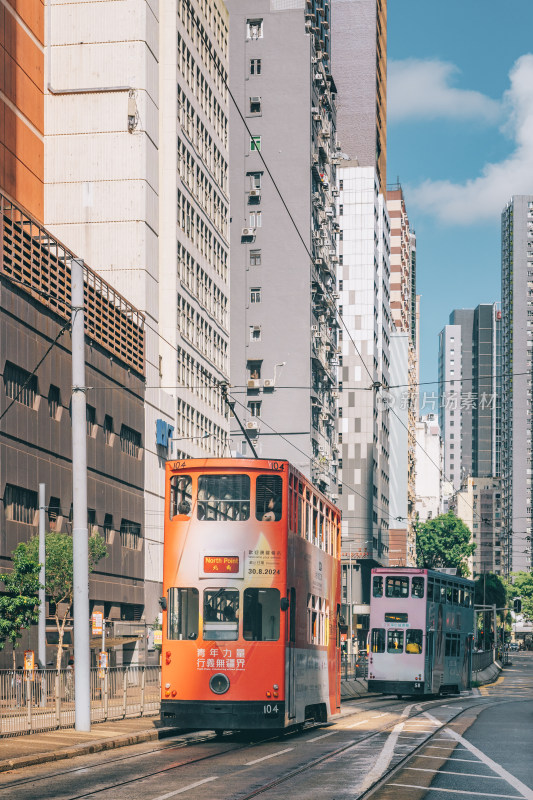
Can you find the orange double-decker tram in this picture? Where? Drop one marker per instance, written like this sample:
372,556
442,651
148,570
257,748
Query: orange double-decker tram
251,602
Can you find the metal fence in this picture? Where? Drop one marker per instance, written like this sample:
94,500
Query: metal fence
43,700
482,660
353,666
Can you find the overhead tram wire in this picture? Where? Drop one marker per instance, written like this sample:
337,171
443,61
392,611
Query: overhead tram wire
208,45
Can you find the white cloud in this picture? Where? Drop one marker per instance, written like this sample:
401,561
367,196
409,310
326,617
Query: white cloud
483,198
422,89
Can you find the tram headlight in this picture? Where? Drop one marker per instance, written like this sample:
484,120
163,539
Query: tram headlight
219,683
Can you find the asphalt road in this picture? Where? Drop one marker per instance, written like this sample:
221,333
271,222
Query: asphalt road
477,745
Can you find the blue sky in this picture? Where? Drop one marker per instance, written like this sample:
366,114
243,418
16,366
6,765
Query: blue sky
460,139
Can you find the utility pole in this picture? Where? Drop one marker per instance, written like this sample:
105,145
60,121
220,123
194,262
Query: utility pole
41,638
82,652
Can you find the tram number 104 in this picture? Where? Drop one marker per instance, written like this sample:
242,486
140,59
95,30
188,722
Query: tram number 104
270,710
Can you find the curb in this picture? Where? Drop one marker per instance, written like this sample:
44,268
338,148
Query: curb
86,749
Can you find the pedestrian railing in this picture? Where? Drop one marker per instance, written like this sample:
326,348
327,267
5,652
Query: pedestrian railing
353,666
482,660
40,700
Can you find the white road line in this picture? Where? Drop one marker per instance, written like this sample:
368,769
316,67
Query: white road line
451,758
517,784
185,788
454,791
324,735
386,754
357,723
449,772
257,760
436,747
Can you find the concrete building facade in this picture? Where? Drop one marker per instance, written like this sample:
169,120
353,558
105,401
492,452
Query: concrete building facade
136,180
359,56
429,455
517,413
283,302
479,505
35,425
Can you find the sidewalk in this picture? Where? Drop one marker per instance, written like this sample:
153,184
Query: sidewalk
37,748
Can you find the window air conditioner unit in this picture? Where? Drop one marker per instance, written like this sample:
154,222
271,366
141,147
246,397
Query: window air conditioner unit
255,193
317,235
314,328
269,383
255,99
252,425
321,448
248,233
316,117
254,383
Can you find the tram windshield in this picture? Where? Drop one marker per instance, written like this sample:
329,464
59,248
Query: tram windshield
223,497
221,615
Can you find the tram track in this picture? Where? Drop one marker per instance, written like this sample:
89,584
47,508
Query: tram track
392,706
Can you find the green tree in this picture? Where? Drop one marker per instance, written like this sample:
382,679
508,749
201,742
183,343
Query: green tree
59,581
444,542
522,586
19,603
490,590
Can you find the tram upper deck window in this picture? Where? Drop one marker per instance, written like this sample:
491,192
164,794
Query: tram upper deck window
260,614
397,586
394,641
180,495
377,586
377,640
223,497
182,616
268,498
417,587
221,615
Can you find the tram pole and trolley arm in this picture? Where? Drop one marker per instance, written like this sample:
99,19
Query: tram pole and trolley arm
231,406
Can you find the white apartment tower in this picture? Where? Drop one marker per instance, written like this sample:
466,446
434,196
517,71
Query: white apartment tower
136,181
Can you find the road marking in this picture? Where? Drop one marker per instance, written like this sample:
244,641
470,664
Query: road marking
386,754
454,791
495,767
257,760
324,735
185,788
449,772
451,758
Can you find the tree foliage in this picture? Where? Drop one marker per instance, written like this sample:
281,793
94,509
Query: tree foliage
490,590
19,604
444,542
522,586
59,580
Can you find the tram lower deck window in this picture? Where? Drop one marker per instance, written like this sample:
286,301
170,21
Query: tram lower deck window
377,640
182,617
221,615
413,641
394,641
223,497
260,614
397,586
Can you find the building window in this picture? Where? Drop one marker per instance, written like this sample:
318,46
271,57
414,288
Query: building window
91,522
254,369
108,430
255,66
130,441
255,333
255,143
21,505
255,179
255,105
109,533
341,210
254,407
255,295
130,534
341,185
54,402
55,517
255,258
255,219
90,418
20,385
254,28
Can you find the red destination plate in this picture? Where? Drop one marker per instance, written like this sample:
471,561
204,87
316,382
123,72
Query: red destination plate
221,564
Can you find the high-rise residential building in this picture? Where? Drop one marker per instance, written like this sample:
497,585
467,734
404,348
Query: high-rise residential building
359,38
479,505
283,302
469,396
517,409
22,104
428,468
364,418
403,375
136,168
